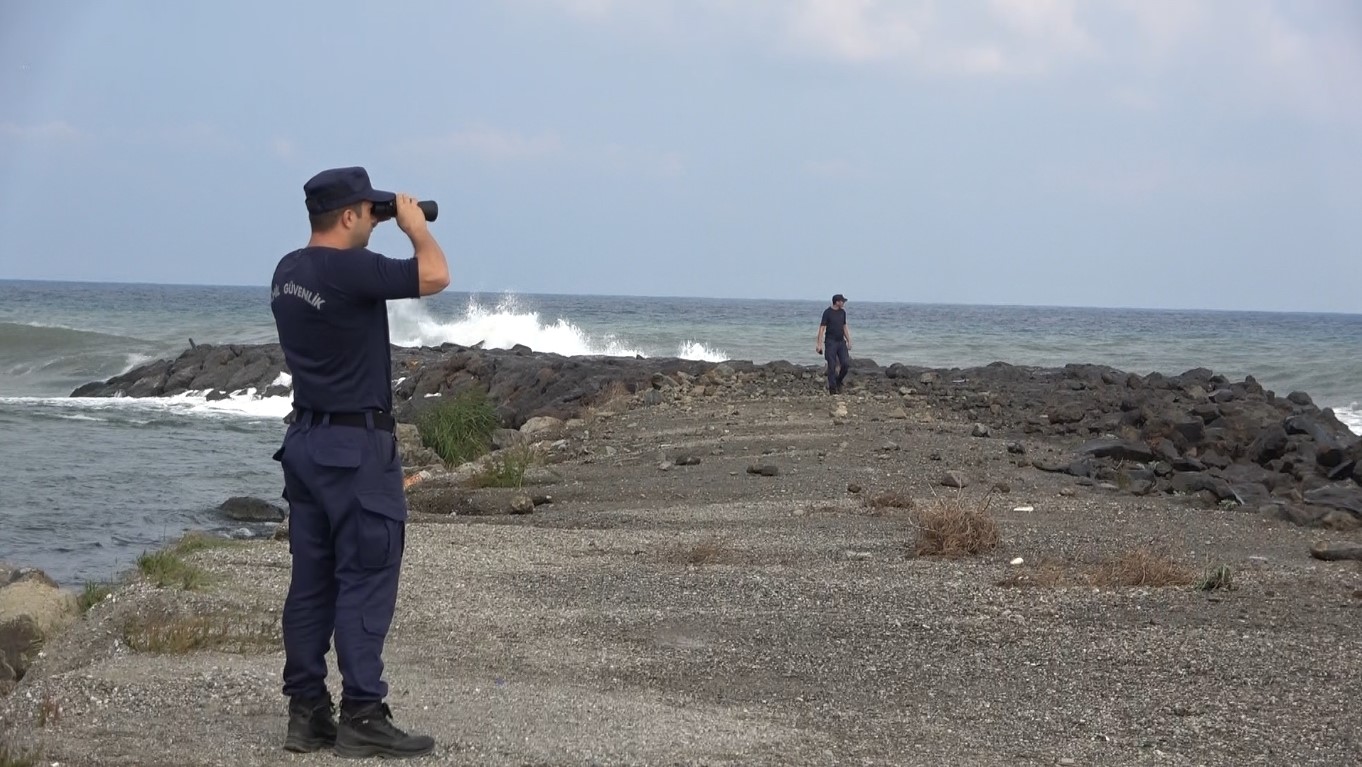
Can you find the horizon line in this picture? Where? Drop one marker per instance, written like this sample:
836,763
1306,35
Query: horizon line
850,303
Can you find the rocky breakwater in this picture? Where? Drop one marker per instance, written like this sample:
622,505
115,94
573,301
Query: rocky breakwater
32,609
522,383
1197,434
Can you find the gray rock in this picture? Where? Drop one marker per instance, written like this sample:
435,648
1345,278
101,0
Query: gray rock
764,469
540,425
979,430
953,479
246,509
1116,449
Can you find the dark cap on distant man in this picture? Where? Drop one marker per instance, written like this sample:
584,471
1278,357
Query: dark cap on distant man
838,297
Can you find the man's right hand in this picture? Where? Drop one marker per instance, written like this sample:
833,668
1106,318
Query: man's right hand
818,349
410,218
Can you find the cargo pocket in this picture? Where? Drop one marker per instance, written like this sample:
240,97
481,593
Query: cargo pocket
381,529
338,448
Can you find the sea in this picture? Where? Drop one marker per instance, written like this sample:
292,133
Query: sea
88,484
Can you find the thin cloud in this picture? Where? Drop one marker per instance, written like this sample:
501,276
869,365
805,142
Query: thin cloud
840,170
486,144
191,137
633,161
283,148
855,30
55,131
1273,54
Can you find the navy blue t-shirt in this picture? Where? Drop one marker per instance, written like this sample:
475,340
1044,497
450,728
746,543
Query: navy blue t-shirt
836,322
329,308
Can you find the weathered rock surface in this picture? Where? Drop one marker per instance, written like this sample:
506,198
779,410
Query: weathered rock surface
32,609
247,509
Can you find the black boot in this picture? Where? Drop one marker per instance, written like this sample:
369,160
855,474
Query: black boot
368,730
311,724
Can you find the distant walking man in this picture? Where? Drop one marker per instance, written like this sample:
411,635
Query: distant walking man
837,350
342,471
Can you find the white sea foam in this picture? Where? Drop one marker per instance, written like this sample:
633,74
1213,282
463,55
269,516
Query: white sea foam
694,350
1352,416
507,323
134,360
243,404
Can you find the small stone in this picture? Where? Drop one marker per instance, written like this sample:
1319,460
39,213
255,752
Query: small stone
889,446
1016,448
979,430
953,479
764,469
522,504
853,488
1018,561
688,460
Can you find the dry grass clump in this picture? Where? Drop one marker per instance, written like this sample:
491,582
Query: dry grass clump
890,499
178,634
614,396
49,711
14,756
1046,574
1139,567
1143,566
954,527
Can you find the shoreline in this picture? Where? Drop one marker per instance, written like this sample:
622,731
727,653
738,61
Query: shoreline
660,610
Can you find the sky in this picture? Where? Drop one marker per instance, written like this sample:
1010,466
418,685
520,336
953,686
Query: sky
1196,154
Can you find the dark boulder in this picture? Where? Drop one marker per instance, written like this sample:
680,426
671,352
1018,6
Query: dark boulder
1117,449
1344,497
1269,445
247,509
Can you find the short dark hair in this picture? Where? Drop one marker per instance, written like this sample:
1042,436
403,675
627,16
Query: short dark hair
325,222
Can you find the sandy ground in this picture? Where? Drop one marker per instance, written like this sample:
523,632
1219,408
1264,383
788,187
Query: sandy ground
660,614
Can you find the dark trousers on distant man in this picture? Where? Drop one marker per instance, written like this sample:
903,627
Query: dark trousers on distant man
347,533
839,362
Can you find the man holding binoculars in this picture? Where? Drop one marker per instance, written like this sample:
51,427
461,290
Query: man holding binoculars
342,471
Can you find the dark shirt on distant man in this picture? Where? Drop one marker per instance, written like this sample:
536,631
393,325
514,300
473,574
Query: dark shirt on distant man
836,322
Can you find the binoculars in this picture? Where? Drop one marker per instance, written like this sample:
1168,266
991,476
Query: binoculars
386,210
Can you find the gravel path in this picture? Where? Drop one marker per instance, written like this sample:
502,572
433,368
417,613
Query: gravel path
701,615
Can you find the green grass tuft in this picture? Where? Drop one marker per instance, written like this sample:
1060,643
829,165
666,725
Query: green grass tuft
461,429
1218,577
167,568
507,468
198,541
93,593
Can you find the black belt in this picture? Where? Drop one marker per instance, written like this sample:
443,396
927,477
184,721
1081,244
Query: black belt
382,421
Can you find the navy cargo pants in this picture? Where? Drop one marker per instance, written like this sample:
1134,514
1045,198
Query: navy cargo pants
347,531
839,362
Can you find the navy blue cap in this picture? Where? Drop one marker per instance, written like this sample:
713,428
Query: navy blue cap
838,297
338,187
